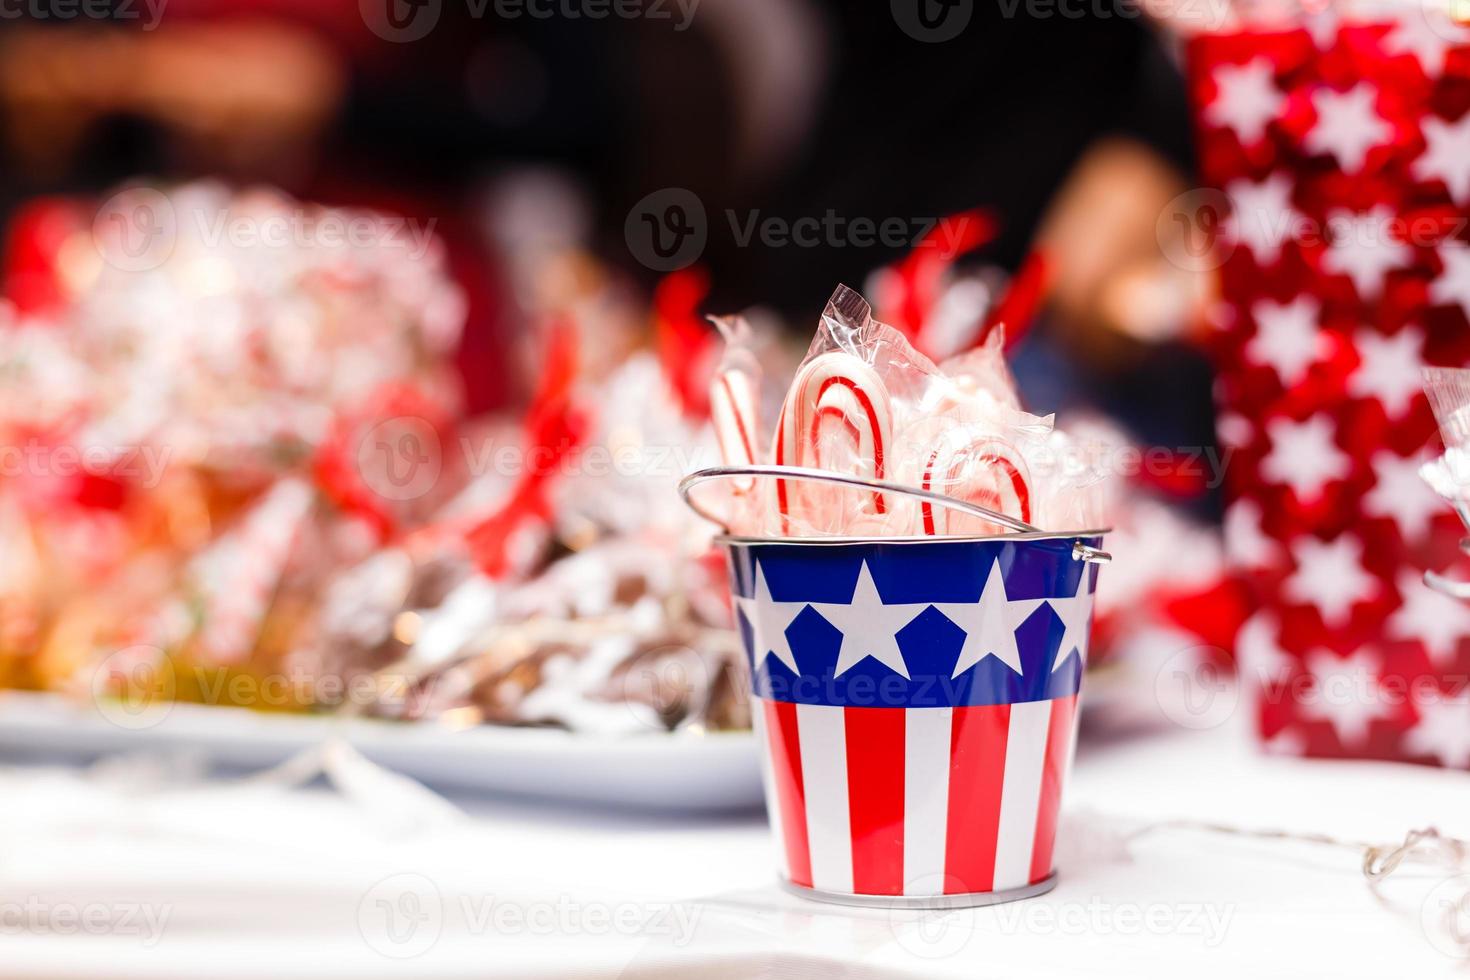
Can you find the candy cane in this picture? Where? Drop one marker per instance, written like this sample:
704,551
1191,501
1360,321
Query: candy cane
836,399
732,408
970,463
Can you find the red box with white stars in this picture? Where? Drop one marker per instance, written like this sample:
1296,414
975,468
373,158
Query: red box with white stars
1342,149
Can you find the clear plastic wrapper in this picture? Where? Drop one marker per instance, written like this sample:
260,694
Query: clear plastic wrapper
1449,475
1448,390
866,403
734,410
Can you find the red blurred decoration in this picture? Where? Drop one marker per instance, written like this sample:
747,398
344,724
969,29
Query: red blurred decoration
685,343
921,273
1342,214
555,426
354,480
1019,305
32,265
1214,614
1176,475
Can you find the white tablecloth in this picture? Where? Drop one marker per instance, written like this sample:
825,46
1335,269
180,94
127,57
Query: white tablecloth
139,869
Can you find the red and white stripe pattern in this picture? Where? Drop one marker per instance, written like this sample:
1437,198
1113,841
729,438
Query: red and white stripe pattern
837,417
915,802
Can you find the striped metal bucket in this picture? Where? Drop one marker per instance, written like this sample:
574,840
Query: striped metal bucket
915,700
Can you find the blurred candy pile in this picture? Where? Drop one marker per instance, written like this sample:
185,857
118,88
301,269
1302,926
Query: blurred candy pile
235,465
236,470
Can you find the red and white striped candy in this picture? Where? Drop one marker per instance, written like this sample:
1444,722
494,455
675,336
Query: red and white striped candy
837,417
732,407
969,462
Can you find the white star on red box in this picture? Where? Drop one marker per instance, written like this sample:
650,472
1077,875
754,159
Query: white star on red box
1248,99
1363,249
1347,125
1260,215
1234,430
1391,369
1400,494
1436,620
1286,337
1330,576
1426,36
1446,155
1246,545
1345,694
1453,284
1443,731
1304,455
1262,661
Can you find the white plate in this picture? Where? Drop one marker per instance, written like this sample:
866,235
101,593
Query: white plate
679,771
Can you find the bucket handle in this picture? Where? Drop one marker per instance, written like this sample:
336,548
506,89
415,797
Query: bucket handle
1080,550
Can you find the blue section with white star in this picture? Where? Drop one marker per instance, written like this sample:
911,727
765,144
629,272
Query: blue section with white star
913,625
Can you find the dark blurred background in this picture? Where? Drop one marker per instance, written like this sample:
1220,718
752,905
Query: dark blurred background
1070,131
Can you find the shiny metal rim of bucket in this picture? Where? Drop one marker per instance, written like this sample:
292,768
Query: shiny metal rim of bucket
1021,531
964,900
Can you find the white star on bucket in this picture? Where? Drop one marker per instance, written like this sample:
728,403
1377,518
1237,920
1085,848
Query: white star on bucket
869,626
990,624
1075,613
769,621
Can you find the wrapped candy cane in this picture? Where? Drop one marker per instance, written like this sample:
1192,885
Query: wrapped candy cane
970,462
837,417
734,411
867,404
734,398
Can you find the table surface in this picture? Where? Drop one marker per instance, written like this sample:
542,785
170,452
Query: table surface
142,867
